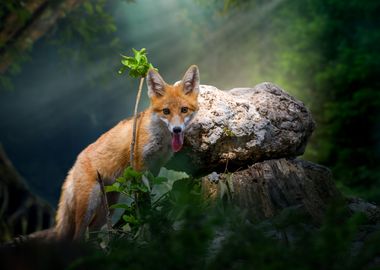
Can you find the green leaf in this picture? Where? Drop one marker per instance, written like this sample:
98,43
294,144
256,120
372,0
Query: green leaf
149,175
129,62
142,188
138,65
126,228
110,188
114,187
88,7
130,219
133,187
159,180
121,180
131,173
120,205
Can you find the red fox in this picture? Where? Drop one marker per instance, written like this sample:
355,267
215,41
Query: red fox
160,132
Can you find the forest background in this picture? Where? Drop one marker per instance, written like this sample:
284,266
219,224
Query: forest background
59,88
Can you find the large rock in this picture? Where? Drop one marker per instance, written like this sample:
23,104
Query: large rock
242,126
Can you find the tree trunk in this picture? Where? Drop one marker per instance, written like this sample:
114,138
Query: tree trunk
21,212
18,35
266,188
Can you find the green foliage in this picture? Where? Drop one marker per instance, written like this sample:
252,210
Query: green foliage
138,64
15,7
85,36
180,229
143,196
187,232
135,188
336,69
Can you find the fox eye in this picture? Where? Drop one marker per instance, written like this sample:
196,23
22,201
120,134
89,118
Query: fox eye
166,111
184,109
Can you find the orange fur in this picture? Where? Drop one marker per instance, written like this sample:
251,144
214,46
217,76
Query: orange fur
80,202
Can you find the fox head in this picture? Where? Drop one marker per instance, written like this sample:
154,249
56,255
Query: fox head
176,104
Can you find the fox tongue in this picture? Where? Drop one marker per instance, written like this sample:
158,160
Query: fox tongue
177,141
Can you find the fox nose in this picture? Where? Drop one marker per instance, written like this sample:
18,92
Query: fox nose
177,129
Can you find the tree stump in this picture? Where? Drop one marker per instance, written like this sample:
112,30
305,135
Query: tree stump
266,188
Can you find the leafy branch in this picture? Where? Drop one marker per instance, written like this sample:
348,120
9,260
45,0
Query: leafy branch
133,184
137,188
138,66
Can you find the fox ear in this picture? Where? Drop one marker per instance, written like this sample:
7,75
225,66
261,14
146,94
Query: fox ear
191,80
156,85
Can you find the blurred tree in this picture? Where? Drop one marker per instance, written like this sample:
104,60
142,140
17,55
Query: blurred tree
78,28
24,22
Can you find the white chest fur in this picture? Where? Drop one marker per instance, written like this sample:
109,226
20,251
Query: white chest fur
158,150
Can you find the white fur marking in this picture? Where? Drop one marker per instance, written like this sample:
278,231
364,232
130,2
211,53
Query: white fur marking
158,150
69,191
177,83
166,121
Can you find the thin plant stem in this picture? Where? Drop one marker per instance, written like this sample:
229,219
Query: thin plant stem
133,143
105,204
